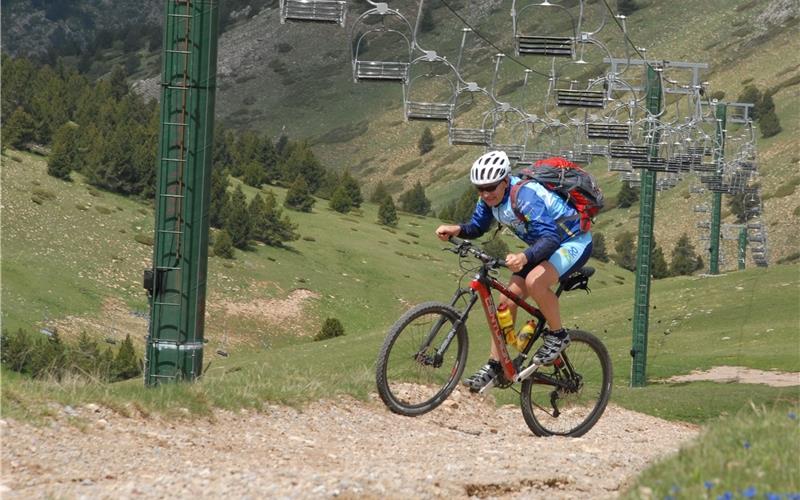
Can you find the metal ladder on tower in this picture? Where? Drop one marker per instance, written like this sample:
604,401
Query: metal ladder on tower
167,285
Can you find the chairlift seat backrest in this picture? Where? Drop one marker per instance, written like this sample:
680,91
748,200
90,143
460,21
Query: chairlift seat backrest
321,11
428,111
554,46
470,136
580,98
381,70
628,151
600,130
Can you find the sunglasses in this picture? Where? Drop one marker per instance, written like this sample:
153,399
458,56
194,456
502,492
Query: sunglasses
488,189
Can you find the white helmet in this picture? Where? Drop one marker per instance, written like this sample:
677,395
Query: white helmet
490,168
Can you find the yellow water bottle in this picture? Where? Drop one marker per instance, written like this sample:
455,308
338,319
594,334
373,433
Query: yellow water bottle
506,322
525,334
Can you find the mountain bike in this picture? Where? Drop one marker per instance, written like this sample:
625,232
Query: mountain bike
424,354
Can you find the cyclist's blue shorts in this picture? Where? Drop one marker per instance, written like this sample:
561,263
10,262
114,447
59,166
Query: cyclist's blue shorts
568,258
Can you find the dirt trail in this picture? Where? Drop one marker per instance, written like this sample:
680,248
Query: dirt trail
341,448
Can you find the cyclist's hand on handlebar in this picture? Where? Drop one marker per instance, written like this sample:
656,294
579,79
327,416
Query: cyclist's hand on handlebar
516,261
445,231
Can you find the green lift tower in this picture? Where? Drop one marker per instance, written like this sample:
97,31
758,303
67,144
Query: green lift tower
176,283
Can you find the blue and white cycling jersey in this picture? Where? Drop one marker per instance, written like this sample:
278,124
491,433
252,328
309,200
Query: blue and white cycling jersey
549,220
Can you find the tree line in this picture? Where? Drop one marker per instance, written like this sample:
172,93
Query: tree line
109,135
47,356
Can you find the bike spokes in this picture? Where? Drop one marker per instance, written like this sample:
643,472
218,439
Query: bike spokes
567,397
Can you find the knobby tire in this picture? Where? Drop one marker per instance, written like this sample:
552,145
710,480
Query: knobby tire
579,409
408,381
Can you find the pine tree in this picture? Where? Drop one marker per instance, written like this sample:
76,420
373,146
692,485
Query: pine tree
599,251
658,264
627,195
768,120
18,130
387,213
119,87
257,211
219,197
237,219
751,94
280,228
64,153
464,206
426,142
328,185
415,201
496,247
352,188
301,161
684,259
126,363
625,247
340,201
253,174
379,193
298,197
223,245
85,355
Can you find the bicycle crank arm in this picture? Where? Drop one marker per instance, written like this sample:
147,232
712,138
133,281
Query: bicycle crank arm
527,372
488,386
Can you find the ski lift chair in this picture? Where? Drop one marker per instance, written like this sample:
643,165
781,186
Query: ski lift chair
461,134
542,44
423,91
319,11
391,24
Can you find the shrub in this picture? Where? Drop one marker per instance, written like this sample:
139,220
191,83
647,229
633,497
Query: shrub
330,329
144,239
223,245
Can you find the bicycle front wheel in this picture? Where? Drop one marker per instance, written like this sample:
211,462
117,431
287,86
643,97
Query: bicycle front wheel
422,359
569,396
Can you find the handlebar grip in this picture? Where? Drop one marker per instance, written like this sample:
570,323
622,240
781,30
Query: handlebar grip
501,262
455,240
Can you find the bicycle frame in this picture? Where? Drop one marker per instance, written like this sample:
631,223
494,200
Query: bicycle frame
481,284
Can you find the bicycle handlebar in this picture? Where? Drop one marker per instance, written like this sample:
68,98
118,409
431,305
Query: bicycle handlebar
464,248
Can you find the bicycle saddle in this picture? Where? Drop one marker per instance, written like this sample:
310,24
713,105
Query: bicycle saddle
577,280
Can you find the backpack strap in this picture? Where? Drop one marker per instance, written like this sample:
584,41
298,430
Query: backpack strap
514,194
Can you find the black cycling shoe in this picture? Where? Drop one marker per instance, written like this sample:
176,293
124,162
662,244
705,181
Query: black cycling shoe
554,343
483,377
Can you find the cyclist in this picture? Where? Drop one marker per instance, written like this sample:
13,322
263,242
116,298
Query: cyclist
556,247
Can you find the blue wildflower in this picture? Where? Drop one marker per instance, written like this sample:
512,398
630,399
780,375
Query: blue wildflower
750,492
746,444
793,415
708,485
726,496
772,496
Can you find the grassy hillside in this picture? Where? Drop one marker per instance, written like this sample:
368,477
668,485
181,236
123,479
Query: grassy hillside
73,257
361,126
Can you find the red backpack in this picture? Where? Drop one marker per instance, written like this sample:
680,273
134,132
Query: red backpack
575,185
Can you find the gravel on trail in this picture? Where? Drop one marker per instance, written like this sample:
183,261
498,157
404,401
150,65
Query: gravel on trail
335,448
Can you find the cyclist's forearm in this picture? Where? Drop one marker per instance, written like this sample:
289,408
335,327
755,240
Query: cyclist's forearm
470,231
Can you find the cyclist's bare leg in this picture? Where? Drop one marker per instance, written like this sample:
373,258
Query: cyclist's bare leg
538,283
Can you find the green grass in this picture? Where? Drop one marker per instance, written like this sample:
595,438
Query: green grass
61,261
750,454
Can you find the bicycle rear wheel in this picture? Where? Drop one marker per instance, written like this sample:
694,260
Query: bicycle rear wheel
413,377
569,396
